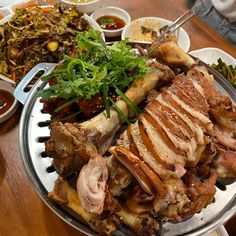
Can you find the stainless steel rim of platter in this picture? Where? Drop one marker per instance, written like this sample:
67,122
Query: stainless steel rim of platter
34,131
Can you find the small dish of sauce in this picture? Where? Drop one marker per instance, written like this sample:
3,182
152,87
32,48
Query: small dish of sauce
6,101
110,22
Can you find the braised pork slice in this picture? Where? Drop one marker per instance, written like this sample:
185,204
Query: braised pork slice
171,136
92,184
104,224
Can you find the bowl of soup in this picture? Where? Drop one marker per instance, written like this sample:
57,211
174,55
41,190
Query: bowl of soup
112,20
85,6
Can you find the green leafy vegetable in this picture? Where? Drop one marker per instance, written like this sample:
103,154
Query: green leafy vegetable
105,22
96,69
228,71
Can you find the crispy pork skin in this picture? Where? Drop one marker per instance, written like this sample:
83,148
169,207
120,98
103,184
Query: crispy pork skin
145,176
171,54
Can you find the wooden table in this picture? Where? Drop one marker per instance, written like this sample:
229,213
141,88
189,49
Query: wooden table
22,211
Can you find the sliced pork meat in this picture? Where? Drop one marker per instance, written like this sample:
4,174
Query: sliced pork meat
91,184
226,164
172,130
170,136
142,224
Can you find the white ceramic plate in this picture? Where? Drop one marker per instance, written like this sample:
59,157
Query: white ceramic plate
211,55
134,31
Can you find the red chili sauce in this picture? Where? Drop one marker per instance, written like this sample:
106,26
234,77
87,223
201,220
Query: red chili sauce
110,22
6,101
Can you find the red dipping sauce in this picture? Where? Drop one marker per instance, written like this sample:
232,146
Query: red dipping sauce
110,22
6,101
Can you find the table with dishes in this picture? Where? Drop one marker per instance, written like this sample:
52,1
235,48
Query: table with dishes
23,212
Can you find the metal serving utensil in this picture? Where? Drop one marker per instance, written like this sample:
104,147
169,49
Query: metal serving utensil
176,24
186,16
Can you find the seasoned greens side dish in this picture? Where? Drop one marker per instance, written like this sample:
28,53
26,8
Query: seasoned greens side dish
38,34
228,71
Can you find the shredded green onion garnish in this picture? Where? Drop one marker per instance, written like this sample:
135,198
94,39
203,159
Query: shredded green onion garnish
130,104
120,113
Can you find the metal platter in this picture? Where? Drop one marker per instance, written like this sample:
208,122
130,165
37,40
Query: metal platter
34,131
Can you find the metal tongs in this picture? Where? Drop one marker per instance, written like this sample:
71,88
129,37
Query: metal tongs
166,29
176,24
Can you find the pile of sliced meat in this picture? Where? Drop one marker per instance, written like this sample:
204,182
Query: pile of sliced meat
172,138
162,167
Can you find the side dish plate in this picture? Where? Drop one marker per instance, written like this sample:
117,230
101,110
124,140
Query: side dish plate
211,55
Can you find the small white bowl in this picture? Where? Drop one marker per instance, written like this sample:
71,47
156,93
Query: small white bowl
133,31
112,11
4,85
87,7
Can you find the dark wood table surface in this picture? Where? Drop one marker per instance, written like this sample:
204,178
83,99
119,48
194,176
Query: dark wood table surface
22,212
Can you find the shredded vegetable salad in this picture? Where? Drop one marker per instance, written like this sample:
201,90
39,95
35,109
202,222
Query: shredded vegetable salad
38,34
